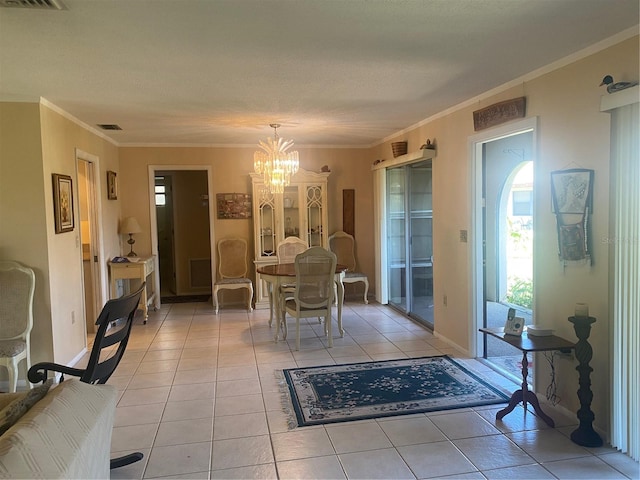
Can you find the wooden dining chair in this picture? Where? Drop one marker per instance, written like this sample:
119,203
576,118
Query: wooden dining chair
313,292
289,248
343,245
232,267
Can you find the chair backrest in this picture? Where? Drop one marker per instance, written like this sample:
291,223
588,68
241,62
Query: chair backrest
17,286
289,248
109,344
232,258
343,245
124,308
315,270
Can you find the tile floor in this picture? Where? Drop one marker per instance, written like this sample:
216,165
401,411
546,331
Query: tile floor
200,398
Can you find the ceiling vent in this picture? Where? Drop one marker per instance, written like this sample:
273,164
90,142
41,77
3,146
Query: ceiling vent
109,126
39,4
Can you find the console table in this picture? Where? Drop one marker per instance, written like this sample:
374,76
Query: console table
135,270
526,344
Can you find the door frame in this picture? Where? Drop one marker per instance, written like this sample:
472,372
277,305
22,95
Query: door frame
152,169
100,274
475,143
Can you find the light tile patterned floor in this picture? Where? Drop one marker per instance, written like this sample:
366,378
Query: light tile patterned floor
200,398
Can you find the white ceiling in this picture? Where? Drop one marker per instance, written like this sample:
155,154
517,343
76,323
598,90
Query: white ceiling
332,72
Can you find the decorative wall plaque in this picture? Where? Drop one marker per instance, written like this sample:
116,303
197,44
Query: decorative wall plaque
499,113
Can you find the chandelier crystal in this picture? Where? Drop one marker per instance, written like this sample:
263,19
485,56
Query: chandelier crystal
275,162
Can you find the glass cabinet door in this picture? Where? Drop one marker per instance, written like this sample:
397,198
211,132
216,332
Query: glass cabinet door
291,211
266,224
314,207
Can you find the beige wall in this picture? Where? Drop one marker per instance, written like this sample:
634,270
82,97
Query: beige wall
23,227
36,142
350,168
572,132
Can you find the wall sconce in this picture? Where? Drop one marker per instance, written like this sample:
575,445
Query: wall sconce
130,226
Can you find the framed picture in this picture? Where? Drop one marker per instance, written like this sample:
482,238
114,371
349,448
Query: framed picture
571,191
112,185
233,205
63,202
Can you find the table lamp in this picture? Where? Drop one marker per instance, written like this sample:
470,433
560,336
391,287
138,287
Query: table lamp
130,226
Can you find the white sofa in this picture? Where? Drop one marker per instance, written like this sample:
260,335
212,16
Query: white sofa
67,434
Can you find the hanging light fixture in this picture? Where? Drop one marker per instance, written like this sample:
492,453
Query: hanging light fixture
275,162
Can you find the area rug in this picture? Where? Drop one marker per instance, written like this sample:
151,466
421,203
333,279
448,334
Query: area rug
357,391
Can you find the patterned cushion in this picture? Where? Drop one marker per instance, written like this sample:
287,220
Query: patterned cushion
11,348
234,280
7,398
21,405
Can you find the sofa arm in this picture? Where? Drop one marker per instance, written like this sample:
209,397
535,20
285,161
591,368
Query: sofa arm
67,434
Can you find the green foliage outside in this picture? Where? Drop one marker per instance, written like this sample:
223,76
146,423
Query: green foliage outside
520,293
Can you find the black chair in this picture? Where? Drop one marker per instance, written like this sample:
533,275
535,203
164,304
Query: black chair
108,345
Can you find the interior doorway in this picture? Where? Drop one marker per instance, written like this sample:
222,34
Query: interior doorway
89,238
182,231
503,246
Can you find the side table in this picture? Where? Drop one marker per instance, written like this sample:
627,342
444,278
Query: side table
139,270
527,344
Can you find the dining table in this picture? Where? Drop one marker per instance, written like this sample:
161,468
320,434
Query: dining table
279,274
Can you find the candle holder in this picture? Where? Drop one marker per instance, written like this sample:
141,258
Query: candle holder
584,435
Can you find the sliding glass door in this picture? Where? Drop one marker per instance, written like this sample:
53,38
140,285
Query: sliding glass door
409,240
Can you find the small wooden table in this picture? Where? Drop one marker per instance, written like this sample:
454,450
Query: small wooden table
135,270
280,273
526,344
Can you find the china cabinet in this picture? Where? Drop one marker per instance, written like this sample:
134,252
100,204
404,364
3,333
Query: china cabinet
300,211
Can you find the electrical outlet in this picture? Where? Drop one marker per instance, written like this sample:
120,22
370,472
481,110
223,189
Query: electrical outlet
444,300
73,317
463,236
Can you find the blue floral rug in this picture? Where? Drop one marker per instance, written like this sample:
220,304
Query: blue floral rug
357,391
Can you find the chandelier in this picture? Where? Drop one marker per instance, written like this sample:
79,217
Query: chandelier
274,162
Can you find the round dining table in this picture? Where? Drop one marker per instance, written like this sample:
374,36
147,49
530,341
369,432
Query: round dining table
279,274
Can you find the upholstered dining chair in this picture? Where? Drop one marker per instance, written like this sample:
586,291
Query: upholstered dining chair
17,285
232,268
289,248
314,290
343,245
286,251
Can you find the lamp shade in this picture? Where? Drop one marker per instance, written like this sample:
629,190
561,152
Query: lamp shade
129,225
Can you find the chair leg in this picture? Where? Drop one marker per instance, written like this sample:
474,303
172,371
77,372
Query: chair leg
328,322
13,376
215,298
249,306
298,333
125,460
366,291
270,294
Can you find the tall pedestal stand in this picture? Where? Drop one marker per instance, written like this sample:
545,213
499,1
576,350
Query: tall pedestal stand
584,435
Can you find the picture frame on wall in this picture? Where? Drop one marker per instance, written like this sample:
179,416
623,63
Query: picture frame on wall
112,185
233,205
63,203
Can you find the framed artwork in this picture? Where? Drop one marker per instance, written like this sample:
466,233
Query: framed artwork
571,191
233,205
63,202
112,185
572,203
